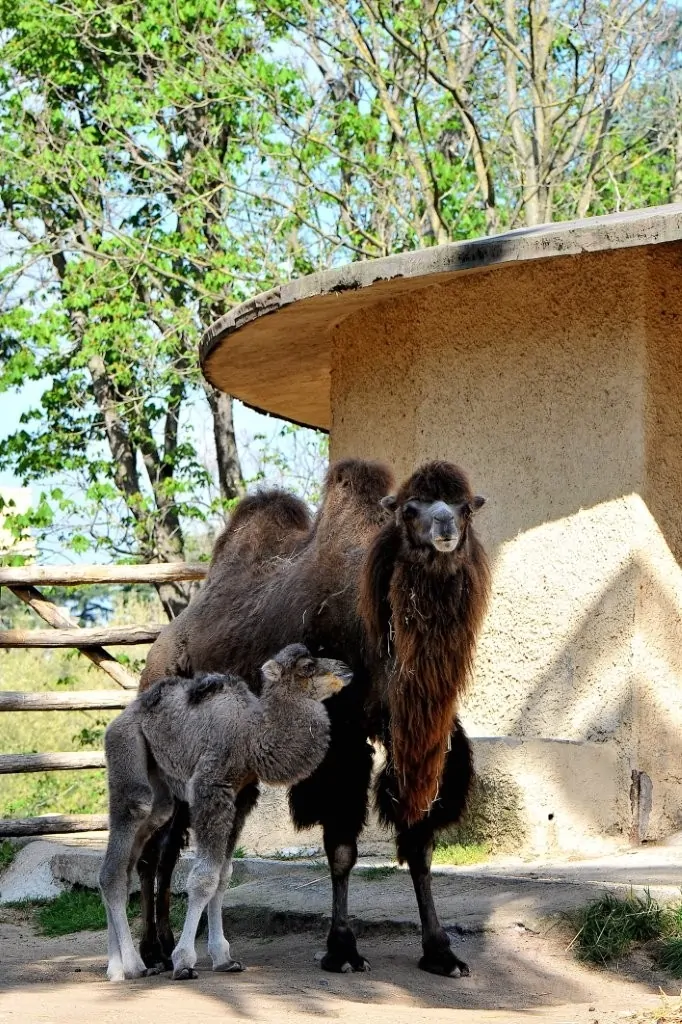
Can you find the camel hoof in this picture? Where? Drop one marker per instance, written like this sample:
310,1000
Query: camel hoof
229,967
185,974
152,972
345,965
445,963
152,954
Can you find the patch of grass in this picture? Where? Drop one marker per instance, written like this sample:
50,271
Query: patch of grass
608,927
376,873
239,853
670,957
73,792
460,854
78,910
8,852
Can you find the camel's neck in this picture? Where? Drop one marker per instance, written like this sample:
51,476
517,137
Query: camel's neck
289,738
436,609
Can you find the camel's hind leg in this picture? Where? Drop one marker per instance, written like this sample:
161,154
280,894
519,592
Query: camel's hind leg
212,812
218,945
130,808
335,796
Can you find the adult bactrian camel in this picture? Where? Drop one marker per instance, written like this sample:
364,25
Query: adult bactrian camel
394,585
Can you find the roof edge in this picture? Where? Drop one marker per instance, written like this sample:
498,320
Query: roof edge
649,226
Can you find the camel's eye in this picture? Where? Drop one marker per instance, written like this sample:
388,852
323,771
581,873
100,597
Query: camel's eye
410,511
306,666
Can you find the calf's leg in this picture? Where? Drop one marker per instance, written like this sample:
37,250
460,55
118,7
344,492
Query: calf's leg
212,812
218,945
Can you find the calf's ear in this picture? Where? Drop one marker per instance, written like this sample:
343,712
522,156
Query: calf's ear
390,503
477,503
272,671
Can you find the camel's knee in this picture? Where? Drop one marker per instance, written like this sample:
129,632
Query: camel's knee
132,808
113,878
203,879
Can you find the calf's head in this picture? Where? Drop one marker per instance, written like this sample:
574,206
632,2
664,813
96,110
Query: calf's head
296,670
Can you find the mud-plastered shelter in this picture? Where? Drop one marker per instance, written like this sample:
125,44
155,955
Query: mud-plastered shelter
548,363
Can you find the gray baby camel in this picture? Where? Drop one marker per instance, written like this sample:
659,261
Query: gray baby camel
206,740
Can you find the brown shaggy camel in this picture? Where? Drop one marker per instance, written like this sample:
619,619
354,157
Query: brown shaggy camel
395,585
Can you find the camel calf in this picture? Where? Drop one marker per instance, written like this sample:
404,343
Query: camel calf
206,740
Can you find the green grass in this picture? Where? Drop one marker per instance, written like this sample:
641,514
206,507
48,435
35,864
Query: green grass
608,928
81,910
25,732
8,852
78,910
670,957
460,854
377,873
239,853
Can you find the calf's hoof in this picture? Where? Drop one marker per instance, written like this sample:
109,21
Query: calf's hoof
229,967
185,974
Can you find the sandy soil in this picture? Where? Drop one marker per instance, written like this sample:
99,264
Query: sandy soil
516,975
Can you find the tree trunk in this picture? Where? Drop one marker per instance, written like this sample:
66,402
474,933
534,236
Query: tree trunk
229,467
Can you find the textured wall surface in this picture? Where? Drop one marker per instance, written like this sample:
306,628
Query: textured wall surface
556,385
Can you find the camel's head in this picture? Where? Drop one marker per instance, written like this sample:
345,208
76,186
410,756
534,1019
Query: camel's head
295,669
435,507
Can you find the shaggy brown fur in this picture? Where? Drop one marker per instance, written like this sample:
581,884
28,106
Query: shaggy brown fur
423,611
270,578
362,586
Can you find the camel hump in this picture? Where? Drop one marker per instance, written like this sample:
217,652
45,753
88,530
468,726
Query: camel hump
350,513
264,525
360,478
437,481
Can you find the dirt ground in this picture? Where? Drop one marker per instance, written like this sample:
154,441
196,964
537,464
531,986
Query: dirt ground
517,975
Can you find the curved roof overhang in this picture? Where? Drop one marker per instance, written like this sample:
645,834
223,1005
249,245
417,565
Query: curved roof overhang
273,352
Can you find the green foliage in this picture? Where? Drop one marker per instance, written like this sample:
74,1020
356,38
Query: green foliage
608,926
671,955
75,910
159,163
376,874
460,855
70,792
8,852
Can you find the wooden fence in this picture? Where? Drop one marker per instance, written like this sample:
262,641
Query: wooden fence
65,632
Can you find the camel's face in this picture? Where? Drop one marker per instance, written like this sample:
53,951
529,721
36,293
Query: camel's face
435,524
296,668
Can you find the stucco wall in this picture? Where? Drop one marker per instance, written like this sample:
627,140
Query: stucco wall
556,385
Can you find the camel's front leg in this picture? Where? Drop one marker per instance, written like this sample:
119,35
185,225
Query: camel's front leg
415,845
212,812
438,956
218,946
342,954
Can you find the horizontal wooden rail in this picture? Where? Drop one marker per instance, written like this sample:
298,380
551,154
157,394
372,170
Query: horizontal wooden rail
74,700
53,824
50,613
79,575
97,636
20,764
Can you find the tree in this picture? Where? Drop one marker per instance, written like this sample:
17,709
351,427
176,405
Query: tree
433,121
125,139
161,162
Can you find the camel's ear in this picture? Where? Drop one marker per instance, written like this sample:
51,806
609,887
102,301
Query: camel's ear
390,503
272,671
477,503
